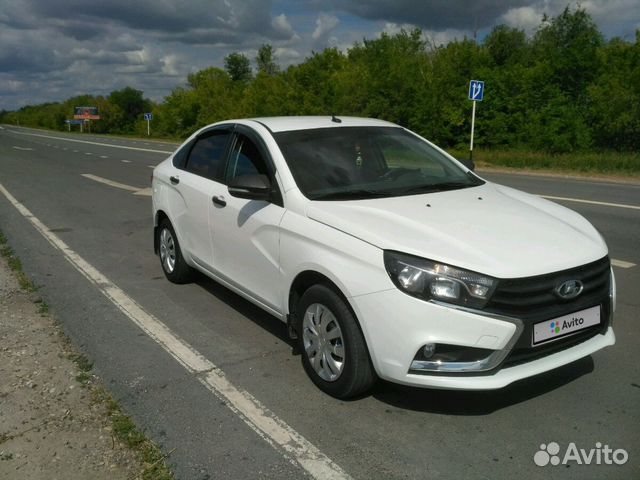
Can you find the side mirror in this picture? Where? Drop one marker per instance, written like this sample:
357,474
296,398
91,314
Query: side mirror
251,187
469,164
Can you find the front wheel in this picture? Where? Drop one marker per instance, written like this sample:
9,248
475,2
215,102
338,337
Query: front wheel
173,264
334,352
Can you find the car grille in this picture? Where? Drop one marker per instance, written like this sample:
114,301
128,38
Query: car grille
533,299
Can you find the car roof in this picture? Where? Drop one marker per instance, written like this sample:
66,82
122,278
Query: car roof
283,124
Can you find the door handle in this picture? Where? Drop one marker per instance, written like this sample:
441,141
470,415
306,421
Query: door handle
174,180
219,200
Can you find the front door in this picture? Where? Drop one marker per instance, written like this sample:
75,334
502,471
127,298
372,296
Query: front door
245,233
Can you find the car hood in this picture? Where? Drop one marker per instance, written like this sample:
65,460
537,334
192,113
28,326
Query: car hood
490,229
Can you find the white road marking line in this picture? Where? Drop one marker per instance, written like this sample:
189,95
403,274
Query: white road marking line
264,422
26,149
111,183
593,202
122,186
75,151
125,161
151,166
103,156
622,263
145,192
95,143
88,153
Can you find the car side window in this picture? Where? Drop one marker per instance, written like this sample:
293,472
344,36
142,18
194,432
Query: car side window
180,157
207,155
245,159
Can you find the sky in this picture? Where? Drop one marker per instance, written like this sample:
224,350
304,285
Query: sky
51,50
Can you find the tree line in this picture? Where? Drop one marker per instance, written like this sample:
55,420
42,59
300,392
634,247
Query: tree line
563,89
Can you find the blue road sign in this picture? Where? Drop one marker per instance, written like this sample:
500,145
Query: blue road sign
74,122
476,90
148,116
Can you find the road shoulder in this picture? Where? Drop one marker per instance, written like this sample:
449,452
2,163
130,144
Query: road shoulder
52,423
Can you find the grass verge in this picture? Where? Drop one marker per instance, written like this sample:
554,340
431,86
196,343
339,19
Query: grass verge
154,466
152,459
15,265
601,163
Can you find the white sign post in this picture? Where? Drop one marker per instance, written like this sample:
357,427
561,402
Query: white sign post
476,94
148,117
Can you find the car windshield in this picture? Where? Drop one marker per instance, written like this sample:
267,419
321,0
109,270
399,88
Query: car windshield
345,163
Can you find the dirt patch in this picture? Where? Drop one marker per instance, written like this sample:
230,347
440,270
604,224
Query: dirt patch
51,427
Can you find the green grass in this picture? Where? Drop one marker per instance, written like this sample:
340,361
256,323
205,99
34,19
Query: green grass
604,163
15,265
43,307
152,458
84,365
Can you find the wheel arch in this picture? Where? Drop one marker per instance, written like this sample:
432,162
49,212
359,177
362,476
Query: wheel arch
159,216
306,279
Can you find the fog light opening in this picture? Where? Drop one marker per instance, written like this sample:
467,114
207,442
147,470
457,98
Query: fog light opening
428,350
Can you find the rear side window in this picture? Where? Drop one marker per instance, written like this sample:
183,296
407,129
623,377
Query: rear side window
180,157
207,155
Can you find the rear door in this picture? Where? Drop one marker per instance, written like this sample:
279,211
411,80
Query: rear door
245,233
197,180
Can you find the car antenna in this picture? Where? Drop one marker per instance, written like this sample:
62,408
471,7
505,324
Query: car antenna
335,119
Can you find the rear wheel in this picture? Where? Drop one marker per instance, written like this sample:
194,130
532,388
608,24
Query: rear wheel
334,352
173,264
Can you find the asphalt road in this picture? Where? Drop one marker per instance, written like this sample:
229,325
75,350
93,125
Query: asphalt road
396,432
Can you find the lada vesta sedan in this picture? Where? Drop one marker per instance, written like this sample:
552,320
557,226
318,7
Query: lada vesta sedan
386,257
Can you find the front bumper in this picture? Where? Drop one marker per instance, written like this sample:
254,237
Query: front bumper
396,326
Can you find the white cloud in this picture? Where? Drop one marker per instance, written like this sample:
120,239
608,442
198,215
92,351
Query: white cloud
392,28
282,26
139,57
287,55
171,64
614,14
11,85
525,18
324,25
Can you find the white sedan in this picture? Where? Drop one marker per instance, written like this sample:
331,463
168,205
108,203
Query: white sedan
385,256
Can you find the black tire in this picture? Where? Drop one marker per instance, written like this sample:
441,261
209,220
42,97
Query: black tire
357,375
181,272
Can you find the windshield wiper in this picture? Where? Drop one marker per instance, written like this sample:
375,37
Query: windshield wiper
351,195
437,187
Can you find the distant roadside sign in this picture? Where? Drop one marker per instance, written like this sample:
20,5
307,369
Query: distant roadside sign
148,117
86,113
74,122
476,94
476,90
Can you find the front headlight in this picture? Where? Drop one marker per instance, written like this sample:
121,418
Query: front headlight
429,280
